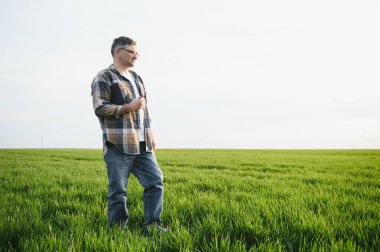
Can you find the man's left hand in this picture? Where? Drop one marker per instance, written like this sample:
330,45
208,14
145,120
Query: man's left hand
154,144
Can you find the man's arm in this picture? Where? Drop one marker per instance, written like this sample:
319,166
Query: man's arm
101,96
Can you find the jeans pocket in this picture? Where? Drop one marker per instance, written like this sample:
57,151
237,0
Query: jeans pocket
110,148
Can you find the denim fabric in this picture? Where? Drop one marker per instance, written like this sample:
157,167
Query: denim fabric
144,166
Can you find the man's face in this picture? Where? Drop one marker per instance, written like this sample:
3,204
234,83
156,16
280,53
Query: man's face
127,55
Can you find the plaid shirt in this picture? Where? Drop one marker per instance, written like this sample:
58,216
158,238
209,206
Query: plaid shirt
110,90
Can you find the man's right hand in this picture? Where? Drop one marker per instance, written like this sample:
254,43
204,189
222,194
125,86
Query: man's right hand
134,105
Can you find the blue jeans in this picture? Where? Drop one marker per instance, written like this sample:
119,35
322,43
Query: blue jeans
144,166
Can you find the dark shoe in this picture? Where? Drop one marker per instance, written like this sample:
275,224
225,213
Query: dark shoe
161,229
153,228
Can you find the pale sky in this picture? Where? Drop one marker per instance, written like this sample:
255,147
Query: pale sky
219,74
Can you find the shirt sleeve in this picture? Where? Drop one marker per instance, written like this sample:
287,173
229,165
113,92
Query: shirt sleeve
101,96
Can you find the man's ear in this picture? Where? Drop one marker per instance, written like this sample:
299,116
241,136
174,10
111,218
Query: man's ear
116,52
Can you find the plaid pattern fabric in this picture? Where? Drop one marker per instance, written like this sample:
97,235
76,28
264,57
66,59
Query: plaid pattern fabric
110,90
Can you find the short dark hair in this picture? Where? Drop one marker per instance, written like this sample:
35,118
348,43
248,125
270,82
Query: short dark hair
121,41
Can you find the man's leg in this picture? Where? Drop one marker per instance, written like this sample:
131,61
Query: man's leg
119,167
150,176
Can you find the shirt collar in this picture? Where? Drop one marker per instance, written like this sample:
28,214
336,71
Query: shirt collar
113,69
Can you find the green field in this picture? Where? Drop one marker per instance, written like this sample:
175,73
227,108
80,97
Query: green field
215,200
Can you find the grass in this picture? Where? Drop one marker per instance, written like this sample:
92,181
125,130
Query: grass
215,200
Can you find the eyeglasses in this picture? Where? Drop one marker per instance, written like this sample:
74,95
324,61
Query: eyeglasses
130,51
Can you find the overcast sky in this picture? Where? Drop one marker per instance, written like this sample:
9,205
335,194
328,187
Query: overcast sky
219,74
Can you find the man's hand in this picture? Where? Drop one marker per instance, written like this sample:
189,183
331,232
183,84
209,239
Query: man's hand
138,103
134,105
154,144
153,141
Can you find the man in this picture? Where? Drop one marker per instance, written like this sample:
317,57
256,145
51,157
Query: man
119,101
